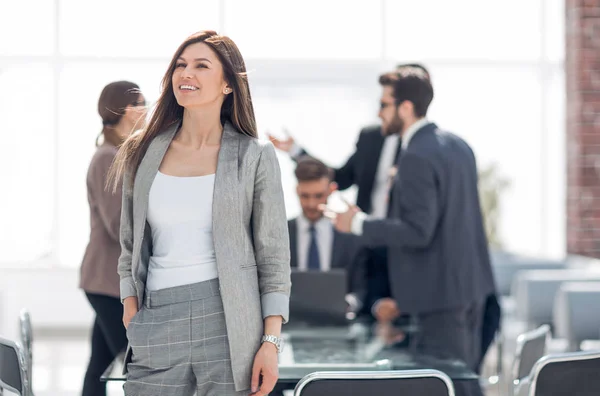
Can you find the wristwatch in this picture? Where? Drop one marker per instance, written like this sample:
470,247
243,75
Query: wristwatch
278,342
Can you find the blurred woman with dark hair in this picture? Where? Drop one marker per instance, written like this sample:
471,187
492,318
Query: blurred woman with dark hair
121,107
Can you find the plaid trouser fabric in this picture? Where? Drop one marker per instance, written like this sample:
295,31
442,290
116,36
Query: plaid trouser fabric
179,343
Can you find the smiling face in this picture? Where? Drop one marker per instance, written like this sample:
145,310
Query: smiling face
198,78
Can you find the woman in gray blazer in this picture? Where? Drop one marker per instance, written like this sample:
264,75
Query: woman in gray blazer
205,265
121,106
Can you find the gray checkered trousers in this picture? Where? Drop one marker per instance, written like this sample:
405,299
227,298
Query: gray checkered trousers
180,346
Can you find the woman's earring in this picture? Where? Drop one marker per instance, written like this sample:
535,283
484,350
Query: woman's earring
227,90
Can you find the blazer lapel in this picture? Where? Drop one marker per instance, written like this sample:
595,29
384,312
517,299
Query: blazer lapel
147,172
393,209
226,203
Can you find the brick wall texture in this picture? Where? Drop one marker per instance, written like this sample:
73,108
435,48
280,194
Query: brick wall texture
582,65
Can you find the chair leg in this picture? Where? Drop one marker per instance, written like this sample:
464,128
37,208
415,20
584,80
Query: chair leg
499,354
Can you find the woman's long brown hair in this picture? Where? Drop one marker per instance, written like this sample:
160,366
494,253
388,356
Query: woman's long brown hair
237,107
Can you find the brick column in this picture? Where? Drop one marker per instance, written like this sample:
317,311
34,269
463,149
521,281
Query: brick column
582,66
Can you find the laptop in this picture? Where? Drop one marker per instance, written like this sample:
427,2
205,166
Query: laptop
318,297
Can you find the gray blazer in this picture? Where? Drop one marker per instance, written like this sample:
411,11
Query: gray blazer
250,238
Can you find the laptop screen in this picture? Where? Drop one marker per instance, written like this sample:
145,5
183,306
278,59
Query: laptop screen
319,296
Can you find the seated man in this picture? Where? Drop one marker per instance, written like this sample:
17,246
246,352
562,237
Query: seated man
314,243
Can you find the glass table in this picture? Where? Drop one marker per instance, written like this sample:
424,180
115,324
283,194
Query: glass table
340,349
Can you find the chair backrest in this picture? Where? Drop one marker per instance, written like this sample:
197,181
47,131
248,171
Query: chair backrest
531,346
12,371
369,383
575,373
572,319
535,292
27,340
506,266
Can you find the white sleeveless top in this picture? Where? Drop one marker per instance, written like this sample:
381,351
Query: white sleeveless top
180,217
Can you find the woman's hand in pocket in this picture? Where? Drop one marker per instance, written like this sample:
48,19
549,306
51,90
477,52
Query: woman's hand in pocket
130,308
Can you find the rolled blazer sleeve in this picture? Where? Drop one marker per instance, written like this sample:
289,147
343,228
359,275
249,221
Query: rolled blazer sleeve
270,234
127,284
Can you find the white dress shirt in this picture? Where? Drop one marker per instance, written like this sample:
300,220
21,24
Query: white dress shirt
359,218
324,236
379,196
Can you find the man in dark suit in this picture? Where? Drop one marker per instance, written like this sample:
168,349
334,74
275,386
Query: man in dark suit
368,167
315,245
439,266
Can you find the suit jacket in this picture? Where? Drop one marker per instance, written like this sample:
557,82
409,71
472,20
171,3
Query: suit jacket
99,265
343,255
249,231
492,316
437,248
361,167
377,279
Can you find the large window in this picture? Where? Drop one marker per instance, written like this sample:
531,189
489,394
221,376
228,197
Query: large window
308,29
28,160
25,32
465,30
131,28
496,68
